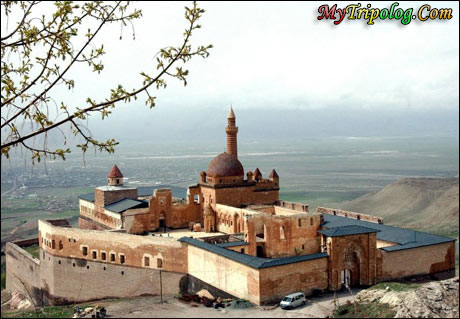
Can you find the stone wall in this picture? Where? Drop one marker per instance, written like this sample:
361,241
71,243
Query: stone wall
70,280
137,221
348,214
230,276
103,246
292,205
417,261
355,253
106,197
23,272
87,223
307,276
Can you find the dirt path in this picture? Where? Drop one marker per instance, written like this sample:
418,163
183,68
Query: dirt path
150,307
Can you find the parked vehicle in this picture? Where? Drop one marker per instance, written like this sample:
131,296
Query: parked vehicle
293,300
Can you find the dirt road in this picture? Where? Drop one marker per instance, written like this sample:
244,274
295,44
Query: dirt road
150,307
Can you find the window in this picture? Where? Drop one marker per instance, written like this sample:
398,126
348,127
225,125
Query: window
85,251
282,233
300,223
112,257
53,245
103,256
146,261
122,259
159,263
61,245
94,254
242,250
118,181
311,221
303,247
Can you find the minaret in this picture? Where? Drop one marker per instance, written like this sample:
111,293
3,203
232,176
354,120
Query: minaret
231,131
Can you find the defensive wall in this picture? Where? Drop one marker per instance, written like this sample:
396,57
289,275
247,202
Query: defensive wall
68,273
348,214
433,259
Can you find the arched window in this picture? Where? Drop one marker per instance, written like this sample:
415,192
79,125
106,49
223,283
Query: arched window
282,233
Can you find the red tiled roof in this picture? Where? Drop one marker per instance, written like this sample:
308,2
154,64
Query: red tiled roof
257,173
115,172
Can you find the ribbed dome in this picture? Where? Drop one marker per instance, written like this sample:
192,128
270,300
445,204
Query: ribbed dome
225,165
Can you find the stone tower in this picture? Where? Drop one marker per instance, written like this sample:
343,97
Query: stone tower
231,131
115,177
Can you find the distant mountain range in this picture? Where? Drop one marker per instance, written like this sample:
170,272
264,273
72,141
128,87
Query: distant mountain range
431,204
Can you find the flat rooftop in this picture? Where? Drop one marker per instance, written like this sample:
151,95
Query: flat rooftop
185,232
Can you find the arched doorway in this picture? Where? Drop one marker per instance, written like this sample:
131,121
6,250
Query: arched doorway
163,221
351,273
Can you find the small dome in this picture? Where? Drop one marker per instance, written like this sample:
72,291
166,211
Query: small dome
225,165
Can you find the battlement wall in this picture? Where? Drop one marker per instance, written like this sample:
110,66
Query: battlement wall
292,205
348,214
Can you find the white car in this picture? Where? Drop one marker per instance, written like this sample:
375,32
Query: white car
293,300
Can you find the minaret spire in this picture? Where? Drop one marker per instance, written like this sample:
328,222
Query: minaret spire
231,131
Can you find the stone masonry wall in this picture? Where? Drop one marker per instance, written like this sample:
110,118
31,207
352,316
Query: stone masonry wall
348,214
126,249
22,272
230,276
417,261
307,276
70,280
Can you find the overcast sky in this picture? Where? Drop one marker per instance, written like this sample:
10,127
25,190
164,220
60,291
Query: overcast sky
280,56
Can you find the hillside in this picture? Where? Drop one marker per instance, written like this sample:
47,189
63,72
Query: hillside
422,203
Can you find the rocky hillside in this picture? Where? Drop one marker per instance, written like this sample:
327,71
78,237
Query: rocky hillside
438,299
423,203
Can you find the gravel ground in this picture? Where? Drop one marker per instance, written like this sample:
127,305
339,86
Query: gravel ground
150,307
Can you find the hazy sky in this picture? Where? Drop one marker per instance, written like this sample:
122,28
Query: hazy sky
280,56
